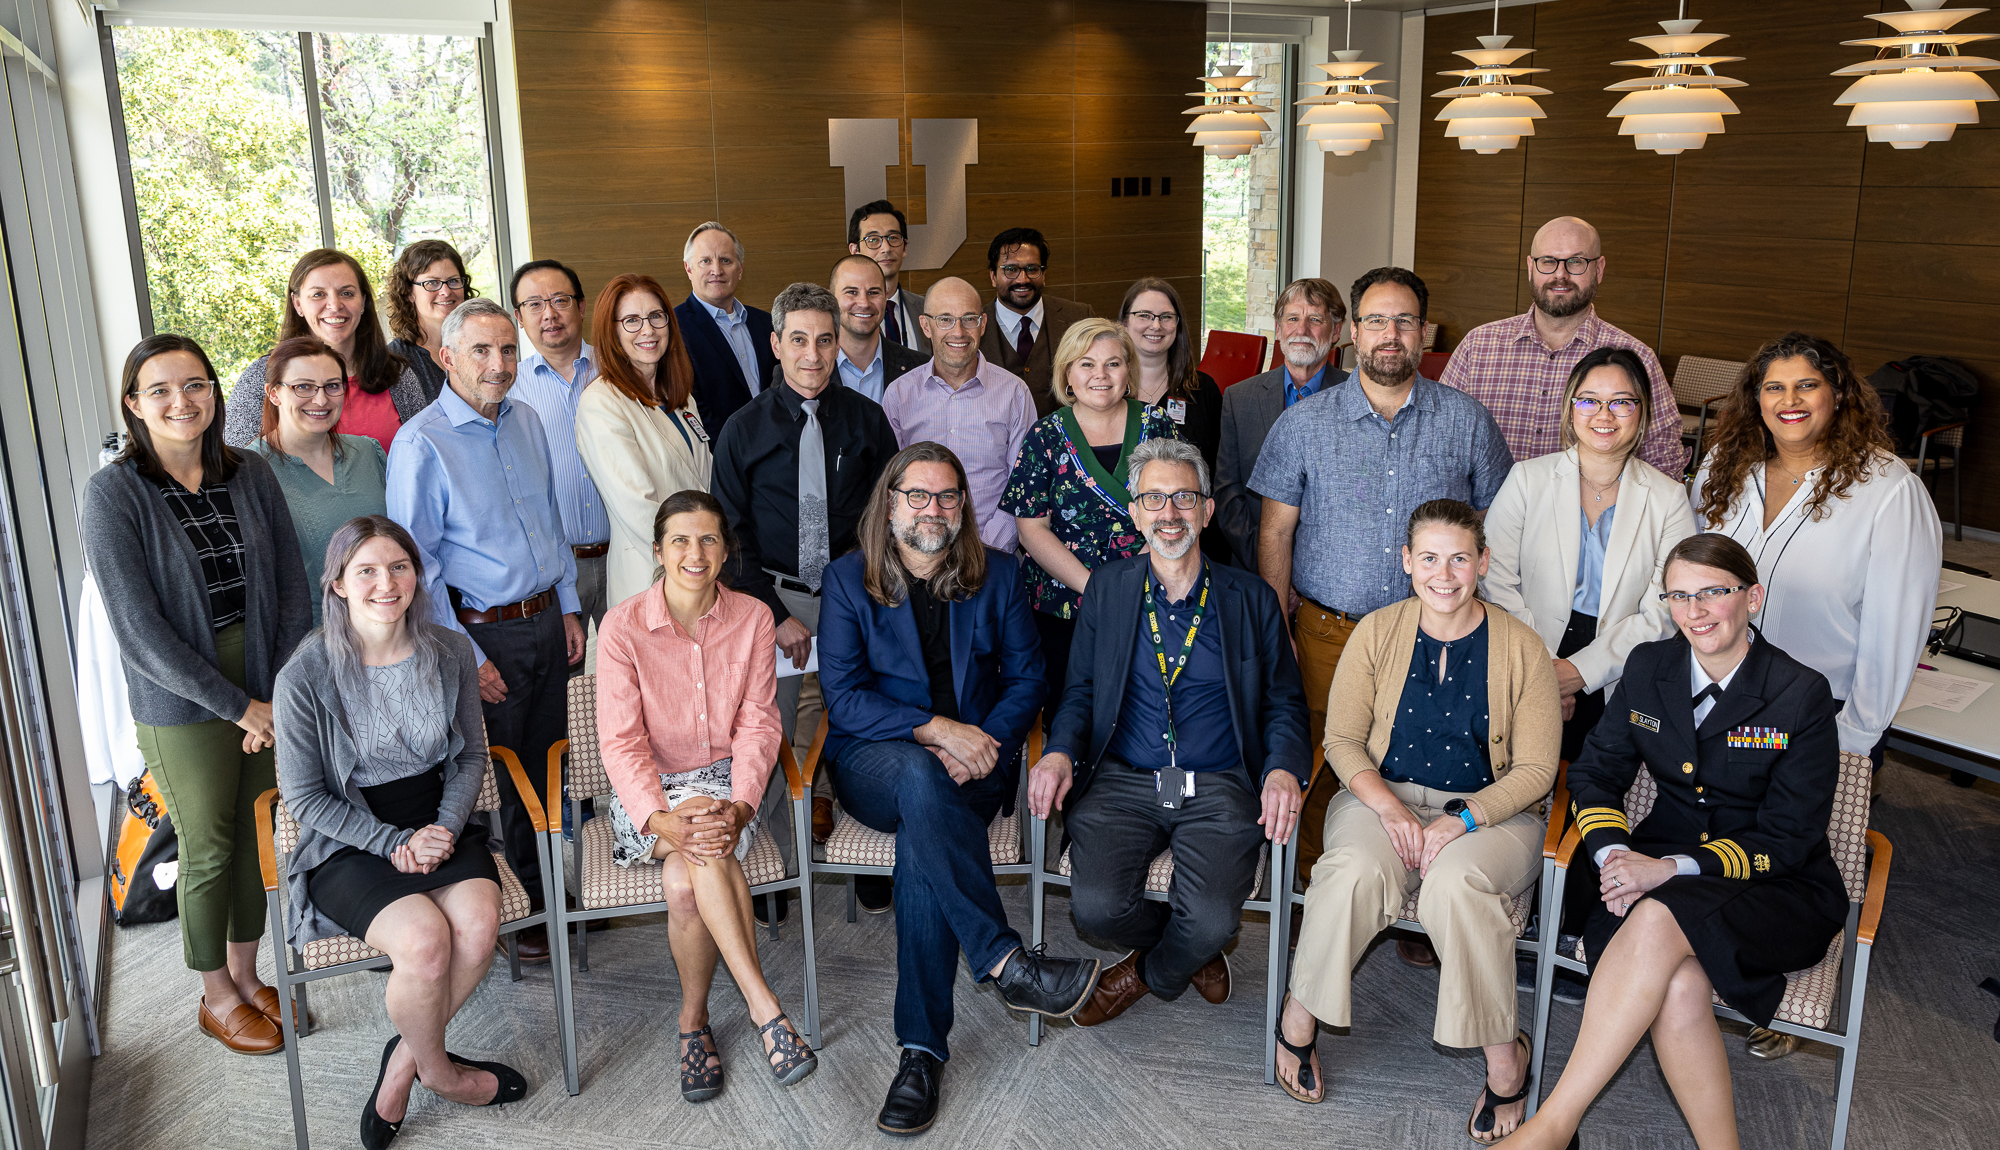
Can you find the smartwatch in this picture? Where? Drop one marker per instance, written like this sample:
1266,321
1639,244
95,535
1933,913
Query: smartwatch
1463,810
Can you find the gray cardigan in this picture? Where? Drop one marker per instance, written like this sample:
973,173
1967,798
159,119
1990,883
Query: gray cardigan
243,414
317,758
157,597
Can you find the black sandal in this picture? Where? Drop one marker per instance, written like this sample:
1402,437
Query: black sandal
797,1059
699,1081
1484,1120
1307,1079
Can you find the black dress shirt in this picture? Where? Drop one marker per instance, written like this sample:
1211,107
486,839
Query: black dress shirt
757,479
934,633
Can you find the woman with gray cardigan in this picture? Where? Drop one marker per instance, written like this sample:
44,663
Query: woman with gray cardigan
193,547
384,755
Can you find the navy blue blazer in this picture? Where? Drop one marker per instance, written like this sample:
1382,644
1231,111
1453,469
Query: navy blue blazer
1267,703
871,663
719,386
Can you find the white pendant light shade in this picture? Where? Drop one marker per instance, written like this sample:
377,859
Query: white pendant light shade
1680,105
1919,87
1349,115
1227,122
1489,112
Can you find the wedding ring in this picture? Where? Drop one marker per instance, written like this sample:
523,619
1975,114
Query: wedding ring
1617,881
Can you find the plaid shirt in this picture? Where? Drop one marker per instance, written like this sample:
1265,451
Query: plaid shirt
1505,366
209,518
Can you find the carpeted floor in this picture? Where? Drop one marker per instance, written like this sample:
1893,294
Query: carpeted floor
1179,1074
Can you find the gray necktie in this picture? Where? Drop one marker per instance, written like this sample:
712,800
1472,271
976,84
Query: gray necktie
812,497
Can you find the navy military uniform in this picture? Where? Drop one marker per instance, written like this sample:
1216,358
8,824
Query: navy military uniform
1747,795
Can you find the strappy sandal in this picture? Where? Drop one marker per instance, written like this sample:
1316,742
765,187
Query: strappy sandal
1483,1120
796,1059
699,1081
1307,1079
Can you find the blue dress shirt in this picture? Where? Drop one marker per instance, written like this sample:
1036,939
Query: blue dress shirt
1203,729
735,328
554,399
1439,740
867,380
1590,560
1297,391
479,498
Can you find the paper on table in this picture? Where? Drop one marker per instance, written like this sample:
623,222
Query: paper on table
1945,692
786,669
1946,586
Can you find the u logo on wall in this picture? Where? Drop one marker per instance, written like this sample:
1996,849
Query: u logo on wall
864,150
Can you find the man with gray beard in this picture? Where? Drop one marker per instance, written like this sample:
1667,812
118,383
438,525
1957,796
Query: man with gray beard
1519,367
1310,312
1182,728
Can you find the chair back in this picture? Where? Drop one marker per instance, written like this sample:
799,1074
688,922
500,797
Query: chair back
1698,379
584,777
1433,364
1430,337
1232,357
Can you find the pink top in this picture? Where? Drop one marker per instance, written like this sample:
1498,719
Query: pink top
371,415
667,703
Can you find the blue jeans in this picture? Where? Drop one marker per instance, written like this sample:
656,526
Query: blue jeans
945,898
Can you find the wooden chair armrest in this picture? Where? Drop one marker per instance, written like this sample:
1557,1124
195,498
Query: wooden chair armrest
537,815
557,750
1319,764
1558,811
1035,740
790,762
1878,886
1571,840
1935,430
810,767
267,846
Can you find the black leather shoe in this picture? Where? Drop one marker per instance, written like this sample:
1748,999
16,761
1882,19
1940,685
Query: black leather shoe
913,1095
760,904
376,1131
1034,982
875,893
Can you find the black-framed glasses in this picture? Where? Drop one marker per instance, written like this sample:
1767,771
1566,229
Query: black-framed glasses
655,319
1016,271
1163,318
195,389
1575,265
332,390
454,283
918,498
1403,322
947,322
561,301
873,241
1705,595
1157,500
1622,408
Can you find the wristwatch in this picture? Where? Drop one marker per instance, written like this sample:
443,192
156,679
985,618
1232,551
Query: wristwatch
1463,810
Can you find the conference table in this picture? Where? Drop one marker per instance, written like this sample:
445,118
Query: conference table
1970,739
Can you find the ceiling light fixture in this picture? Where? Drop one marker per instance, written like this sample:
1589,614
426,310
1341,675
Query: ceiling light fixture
1228,122
1348,116
1681,104
1918,89
1489,112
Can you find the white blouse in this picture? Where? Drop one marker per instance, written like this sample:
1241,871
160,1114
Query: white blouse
1849,595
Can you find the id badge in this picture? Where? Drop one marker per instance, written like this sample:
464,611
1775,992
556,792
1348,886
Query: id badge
1170,785
1177,410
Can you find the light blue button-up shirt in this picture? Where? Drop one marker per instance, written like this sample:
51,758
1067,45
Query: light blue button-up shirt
867,380
1590,560
478,496
735,326
554,399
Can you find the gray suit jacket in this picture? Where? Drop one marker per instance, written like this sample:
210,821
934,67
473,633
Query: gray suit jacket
1249,408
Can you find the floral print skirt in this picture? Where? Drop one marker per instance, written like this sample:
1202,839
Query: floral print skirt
630,845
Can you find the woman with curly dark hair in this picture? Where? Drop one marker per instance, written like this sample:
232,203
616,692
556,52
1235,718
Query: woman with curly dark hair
1846,539
426,282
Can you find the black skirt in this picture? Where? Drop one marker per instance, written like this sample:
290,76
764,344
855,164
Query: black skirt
1581,633
352,886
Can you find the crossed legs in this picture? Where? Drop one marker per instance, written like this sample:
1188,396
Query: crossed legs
708,918
441,943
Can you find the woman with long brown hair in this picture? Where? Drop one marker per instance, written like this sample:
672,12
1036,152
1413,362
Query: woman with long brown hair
638,427
426,282
328,296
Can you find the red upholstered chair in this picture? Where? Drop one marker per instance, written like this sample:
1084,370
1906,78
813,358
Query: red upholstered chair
1433,364
1232,356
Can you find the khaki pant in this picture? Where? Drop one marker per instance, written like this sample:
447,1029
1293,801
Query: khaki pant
1322,636
1358,888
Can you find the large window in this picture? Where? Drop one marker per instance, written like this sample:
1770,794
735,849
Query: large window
1243,204
226,175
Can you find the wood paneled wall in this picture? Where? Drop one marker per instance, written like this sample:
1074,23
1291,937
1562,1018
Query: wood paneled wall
642,118
1789,220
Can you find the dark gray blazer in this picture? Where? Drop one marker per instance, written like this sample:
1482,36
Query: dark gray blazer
157,597
1249,408
317,759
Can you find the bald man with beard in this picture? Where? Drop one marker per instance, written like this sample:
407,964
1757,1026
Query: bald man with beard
1519,367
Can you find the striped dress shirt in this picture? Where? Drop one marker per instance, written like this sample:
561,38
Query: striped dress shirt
554,399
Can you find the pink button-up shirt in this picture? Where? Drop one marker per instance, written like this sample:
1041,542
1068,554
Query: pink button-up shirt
667,703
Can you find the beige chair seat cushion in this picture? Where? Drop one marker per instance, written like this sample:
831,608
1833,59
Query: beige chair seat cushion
853,844
1809,993
1160,875
603,884
326,952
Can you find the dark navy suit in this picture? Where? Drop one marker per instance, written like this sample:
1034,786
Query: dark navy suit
719,386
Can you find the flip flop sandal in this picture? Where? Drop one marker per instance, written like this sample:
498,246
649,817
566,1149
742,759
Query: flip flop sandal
1307,1079
1484,1120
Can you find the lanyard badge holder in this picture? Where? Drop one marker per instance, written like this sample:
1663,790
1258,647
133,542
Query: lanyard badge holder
1173,784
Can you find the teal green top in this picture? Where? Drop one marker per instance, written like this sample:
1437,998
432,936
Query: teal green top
319,508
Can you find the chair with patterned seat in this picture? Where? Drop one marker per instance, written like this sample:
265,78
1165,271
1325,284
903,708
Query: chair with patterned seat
1701,383
604,889
296,967
1822,1003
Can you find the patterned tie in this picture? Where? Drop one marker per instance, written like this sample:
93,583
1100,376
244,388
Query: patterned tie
895,328
812,498
1025,342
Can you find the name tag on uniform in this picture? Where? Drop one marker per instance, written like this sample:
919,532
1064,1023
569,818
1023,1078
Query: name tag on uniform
1646,721
1177,410
1759,738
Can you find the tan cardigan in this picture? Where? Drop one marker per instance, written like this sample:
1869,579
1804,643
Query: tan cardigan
1525,708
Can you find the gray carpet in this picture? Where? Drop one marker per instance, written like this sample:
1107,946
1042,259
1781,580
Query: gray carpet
1166,1075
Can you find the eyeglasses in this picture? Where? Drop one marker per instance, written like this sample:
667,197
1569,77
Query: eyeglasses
561,302
874,240
1016,271
454,283
655,319
308,390
1163,318
1705,595
918,498
1622,408
1575,265
1404,322
947,322
1157,500
195,389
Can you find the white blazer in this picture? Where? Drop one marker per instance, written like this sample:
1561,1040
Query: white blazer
637,457
1536,535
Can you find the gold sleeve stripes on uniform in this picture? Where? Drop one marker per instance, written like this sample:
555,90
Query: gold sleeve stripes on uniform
1735,863
1590,819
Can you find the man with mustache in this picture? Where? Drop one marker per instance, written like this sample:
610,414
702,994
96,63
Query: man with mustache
867,361
1340,475
1519,368
1027,323
1310,312
1183,728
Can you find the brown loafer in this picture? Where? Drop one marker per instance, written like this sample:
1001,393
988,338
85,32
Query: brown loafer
1117,989
266,1002
1212,980
532,944
822,818
1417,953
246,1030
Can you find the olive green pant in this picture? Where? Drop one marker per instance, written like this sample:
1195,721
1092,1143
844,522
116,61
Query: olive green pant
211,789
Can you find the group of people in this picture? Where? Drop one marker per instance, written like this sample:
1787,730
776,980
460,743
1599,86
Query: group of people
381,555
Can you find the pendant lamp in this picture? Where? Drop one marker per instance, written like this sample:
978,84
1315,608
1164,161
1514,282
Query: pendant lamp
1918,89
1348,116
1489,112
1681,104
1228,122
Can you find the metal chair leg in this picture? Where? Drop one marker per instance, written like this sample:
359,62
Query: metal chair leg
1038,831
1274,989
801,821
303,1008
560,969
852,902
1545,966
286,1018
